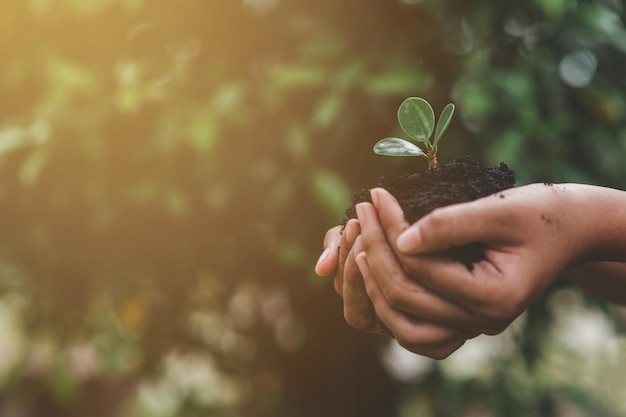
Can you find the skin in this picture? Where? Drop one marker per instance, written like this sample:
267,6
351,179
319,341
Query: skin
392,281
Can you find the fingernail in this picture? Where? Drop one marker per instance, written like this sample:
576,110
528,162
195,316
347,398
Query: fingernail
410,240
362,264
360,212
351,231
322,258
374,196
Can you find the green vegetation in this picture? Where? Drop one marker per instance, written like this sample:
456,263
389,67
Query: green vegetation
168,169
417,119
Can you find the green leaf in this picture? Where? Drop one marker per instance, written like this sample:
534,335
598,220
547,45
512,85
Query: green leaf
397,147
444,121
416,118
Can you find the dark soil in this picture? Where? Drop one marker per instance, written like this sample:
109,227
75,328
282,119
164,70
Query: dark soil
462,180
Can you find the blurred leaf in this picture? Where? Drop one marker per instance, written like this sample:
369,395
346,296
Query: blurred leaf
556,8
328,110
291,253
330,192
325,48
474,101
66,75
298,76
350,75
177,204
33,165
518,84
228,99
203,131
396,82
11,138
296,141
509,149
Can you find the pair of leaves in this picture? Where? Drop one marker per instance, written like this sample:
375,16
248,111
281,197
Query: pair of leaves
417,119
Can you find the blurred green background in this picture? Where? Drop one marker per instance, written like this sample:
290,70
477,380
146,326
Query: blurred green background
168,169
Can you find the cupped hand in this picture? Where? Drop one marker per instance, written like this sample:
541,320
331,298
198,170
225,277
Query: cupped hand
432,303
398,300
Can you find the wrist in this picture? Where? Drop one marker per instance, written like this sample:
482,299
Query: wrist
599,222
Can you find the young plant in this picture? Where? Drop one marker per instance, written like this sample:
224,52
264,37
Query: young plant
417,119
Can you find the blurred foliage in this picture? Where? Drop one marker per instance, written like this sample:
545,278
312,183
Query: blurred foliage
168,169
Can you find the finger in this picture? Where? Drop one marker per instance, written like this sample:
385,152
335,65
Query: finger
484,220
389,272
357,307
378,326
446,291
390,213
328,260
439,289
350,232
417,335
406,291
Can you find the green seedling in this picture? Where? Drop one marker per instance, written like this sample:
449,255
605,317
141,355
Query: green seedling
417,119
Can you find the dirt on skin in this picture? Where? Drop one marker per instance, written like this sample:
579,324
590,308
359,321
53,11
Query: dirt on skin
461,180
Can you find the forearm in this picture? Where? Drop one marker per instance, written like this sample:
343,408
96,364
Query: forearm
600,223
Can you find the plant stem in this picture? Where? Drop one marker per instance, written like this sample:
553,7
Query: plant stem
432,162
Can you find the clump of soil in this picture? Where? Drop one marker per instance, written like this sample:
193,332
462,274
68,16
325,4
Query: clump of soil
459,181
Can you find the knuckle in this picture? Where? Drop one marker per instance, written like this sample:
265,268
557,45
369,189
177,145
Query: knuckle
433,351
498,315
438,225
332,235
372,239
368,242
443,350
438,220
495,328
381,328
440,353
395,296
510,308
412,267
397,291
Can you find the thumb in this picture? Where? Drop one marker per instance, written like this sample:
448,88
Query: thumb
390,213
328,260
455,225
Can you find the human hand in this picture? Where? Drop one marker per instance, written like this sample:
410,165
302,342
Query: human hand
530,234
386,281
338,257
